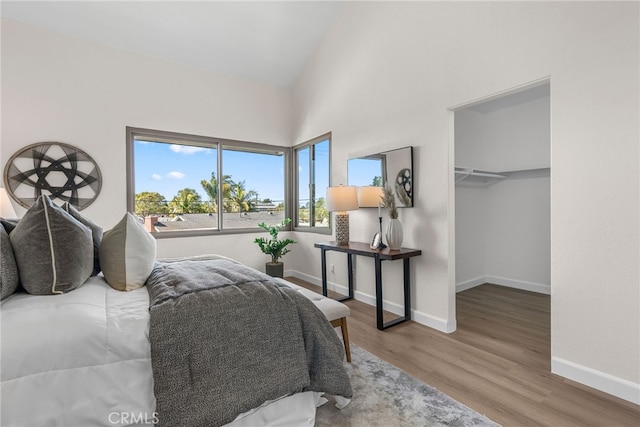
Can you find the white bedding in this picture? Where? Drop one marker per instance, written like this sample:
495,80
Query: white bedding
83,359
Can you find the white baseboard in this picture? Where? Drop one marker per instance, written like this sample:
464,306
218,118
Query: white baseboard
463,286
437,323
317,281
604,382
423,318
503,281
520,284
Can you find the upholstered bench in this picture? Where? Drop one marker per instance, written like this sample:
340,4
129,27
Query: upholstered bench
334,311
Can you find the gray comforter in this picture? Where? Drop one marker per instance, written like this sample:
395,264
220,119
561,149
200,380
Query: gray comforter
225,338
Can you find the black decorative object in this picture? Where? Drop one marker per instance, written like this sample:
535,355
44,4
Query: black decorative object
59,170
404,187
376,242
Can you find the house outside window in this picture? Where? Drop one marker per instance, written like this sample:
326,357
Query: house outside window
312,166
184,185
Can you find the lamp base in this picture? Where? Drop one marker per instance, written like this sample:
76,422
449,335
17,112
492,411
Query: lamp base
342,228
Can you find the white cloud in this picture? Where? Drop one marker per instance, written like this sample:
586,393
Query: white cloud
176,175
185,149
156,177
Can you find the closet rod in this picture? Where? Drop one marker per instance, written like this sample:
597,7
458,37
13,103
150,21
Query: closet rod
466,172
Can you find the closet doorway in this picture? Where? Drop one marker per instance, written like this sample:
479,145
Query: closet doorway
502,196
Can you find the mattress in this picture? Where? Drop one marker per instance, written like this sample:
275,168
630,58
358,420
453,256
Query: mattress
83,358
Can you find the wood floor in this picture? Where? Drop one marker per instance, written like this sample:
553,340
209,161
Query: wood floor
497,362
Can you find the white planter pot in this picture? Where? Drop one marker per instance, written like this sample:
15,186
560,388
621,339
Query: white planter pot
394,234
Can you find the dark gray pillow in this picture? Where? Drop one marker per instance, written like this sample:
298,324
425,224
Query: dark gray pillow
96,231
9,224
54,251
9,279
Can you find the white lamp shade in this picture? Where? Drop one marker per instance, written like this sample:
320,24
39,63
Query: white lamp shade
6,208
369,196
340,199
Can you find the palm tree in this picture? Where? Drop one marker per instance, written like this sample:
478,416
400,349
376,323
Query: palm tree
241,197
211,188
187,201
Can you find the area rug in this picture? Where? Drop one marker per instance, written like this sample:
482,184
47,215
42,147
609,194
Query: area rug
383,395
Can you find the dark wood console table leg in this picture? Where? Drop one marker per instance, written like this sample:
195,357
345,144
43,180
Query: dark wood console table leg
350,275
350,278
407,289
379,315
323,256
407,296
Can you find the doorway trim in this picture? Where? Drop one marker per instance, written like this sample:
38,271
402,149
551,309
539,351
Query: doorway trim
451,205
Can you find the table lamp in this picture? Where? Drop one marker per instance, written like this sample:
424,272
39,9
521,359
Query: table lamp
340,200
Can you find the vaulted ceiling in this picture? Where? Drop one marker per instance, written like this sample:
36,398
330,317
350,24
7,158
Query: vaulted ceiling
266,41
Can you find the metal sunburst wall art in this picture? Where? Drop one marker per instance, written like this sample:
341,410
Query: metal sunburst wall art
61,171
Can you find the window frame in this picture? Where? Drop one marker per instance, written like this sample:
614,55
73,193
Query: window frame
132,133
312,193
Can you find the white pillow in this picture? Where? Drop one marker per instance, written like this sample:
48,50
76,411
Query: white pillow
127,254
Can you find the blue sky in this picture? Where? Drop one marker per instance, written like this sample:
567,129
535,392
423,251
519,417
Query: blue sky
167,168
362,171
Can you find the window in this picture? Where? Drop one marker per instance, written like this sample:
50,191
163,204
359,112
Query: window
312,160
192,185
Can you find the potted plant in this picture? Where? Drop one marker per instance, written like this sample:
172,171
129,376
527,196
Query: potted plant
274,247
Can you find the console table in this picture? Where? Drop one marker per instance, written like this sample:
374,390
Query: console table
379,255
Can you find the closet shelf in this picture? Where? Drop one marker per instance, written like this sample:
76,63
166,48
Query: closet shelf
463,172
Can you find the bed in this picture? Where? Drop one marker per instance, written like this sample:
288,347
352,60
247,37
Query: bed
103,357
84,360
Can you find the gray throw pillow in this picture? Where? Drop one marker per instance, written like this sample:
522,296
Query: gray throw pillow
9,224
96,233
127,254
54,251
9,279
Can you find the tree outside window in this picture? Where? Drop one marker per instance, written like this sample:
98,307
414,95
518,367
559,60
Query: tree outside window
174,185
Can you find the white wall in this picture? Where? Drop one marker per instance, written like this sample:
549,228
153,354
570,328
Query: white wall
513,136
518,234
471,234
503,226
388,73
58,88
